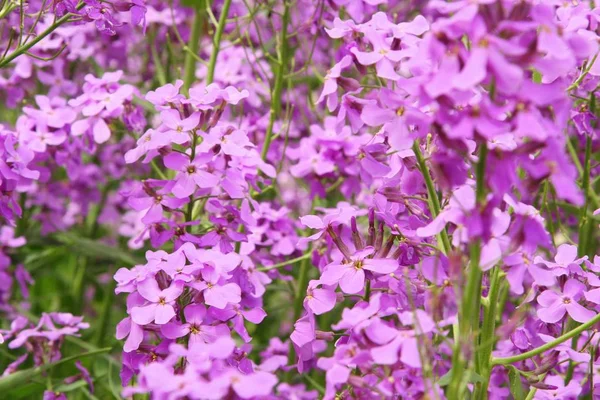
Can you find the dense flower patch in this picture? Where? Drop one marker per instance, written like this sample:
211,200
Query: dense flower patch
298,199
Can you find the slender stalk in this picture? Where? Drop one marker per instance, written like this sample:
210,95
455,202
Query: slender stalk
28,45
104,321
302,284
471,299
189,66
25,48
584,73
217,42
289,262
468,317
7,9
487,338
548,346
531,393
593,197
583,239
282,61
161,77
81,263
480,189
432,196
368,291
585,185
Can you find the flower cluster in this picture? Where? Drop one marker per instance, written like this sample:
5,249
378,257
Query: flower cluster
314,199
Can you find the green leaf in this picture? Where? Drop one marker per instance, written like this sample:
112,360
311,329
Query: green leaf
516,386
24,377
32,390
194,3
474,377
445,379
96,249
71,386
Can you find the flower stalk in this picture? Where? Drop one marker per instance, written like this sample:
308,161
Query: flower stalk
281,70
212,63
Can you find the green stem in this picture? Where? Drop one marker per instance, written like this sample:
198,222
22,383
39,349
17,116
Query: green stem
548,346
282,61
586,71
487,338
217,42
471,299
104,320
575,157
24,376
432,196
189,66
161,77
583,239
585,185
468,317
25,48
302,284
7,9
289,262
480,188
78,283
531,393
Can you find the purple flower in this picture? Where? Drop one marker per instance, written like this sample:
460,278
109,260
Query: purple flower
105,22
382,55
351,274
159,307
191,174
319,300
565,261
177,125
195,326
52,112
216,290
237,316
555,305
521,267
165,95
49,395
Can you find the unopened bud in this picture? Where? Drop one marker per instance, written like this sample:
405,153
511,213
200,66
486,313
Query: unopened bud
356,381
327,336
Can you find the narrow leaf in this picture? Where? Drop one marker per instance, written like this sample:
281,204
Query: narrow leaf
94,248
516,386
19,378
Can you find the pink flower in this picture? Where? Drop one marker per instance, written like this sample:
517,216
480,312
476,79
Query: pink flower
556,305
216,290
160,302
351,274
191,174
